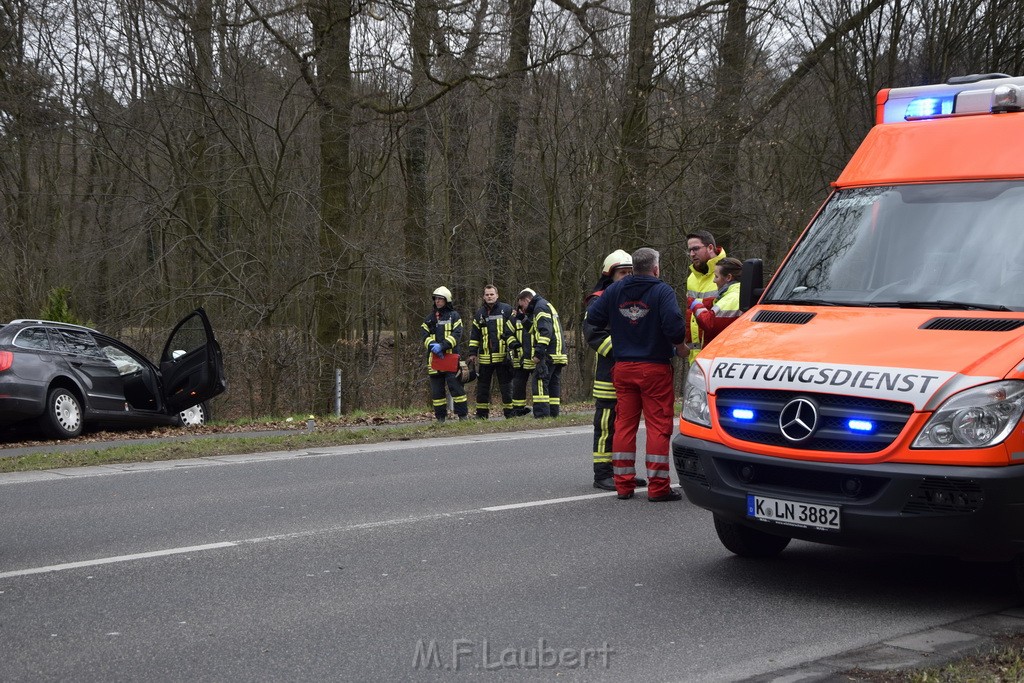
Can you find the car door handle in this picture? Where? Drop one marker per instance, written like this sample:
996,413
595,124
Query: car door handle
77,363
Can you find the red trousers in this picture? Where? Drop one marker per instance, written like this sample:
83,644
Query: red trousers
642,388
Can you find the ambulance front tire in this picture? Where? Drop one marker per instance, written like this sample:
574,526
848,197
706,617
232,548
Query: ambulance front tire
747,542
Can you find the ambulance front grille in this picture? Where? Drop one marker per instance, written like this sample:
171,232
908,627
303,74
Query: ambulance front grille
831,433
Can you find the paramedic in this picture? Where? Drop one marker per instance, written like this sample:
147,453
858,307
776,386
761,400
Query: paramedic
726,306
645,322
704,254
616,266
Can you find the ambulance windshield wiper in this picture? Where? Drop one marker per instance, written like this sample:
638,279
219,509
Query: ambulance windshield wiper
815,302
954,305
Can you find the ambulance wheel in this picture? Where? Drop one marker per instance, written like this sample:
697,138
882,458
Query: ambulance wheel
747,542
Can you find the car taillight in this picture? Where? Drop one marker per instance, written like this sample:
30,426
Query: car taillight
6,360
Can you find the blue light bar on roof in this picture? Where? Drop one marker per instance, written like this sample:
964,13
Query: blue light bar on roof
930,106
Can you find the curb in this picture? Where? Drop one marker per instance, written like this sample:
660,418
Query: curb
930,648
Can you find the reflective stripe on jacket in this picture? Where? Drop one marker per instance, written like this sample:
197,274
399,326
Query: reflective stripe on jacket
546,331
725,309
490,332
443,326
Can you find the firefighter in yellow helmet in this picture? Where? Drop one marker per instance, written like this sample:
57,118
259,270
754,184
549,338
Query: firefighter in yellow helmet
616,266
442,331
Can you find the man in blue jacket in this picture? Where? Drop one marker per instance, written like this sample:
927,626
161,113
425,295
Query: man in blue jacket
647,328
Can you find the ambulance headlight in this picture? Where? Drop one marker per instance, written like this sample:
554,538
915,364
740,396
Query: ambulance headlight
977,418
695,398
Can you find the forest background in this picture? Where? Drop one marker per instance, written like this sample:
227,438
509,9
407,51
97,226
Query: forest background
309,172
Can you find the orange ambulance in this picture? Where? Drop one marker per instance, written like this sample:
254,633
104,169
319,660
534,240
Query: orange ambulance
872,394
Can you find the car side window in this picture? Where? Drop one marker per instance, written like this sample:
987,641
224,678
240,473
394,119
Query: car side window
81,343
33,338
189,337
126,365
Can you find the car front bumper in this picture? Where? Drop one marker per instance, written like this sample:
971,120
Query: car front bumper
970,512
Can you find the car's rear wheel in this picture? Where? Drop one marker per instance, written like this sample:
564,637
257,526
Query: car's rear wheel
747,542
196,416
62,418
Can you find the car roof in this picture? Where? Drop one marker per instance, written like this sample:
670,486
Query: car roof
54,323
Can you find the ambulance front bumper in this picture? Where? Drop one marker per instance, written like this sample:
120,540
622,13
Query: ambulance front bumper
969,512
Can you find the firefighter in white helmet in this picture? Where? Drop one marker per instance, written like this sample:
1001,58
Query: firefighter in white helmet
540,321
442,332
520,348
616,266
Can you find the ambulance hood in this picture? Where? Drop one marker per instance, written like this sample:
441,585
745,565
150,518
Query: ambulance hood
905,355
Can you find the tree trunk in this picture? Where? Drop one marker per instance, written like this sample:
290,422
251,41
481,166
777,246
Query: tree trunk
631,188
332,31
502,176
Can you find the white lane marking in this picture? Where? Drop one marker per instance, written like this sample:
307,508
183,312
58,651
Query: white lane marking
551,501
300,534
118,558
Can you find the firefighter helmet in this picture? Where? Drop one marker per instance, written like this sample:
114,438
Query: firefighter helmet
616,259
445,292
526,293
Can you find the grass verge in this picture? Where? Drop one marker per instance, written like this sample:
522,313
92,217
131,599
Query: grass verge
326,434
1004,663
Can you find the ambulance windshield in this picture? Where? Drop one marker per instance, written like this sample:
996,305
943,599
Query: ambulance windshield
951,245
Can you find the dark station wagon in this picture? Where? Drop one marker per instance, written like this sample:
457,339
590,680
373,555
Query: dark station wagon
62,377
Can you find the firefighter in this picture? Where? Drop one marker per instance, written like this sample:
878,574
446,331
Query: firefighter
442,331
616,266
700,284
520,348
540,321
488,345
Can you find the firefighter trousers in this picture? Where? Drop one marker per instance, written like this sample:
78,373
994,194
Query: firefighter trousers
547,388
438,382
604,433
485,372
520,380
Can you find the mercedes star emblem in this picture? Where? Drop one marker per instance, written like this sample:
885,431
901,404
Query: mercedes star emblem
798,419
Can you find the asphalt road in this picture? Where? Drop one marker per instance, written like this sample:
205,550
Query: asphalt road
486,557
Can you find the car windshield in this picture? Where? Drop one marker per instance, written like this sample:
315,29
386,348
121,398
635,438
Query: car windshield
949,246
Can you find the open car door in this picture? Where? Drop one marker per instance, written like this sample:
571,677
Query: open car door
191,365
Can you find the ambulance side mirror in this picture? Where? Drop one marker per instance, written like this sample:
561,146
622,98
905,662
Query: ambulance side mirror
751,283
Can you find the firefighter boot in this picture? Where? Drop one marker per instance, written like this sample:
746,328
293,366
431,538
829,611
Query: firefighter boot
603,478
483,413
